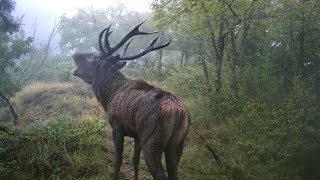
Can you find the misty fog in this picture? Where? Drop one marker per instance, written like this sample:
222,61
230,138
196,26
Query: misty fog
230,86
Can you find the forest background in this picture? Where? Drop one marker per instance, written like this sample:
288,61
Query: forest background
248,70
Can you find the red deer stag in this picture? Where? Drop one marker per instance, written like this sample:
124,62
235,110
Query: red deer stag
157,120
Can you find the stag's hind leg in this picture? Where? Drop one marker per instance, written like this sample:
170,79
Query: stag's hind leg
152,152
173,155
136,158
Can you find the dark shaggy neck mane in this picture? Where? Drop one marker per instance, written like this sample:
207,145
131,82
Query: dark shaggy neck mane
106,87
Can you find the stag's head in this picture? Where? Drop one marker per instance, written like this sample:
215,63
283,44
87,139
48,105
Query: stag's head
90,65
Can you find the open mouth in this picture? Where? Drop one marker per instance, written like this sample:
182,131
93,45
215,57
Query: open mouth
75,73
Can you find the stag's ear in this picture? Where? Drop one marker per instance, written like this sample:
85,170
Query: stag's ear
114,59
120,65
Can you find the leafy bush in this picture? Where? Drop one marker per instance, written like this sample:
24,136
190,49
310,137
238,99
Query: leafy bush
264,135
60,148
280,139
189,80
8,162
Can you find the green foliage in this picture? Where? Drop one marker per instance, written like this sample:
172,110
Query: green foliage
280,137
12,47
271,136
60,148
7,21
262,123
189,80
7,148
270,82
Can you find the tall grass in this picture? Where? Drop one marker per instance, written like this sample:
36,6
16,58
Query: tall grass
41,101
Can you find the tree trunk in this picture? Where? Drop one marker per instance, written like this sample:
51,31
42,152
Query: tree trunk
233,62
219,56
287,64
182,58
186,58
301,36
203,63
243,49
13,112
159,65
218,47
301,61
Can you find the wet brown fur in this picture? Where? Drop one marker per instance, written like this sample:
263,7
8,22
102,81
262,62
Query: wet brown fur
156,119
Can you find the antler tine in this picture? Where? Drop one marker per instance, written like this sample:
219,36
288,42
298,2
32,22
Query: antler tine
106,41
135,31
126,48
147,50
100,42
154,41
144,33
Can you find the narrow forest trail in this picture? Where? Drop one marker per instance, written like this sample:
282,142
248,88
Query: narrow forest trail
127,171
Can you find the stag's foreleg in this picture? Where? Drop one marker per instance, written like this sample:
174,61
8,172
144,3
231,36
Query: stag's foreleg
118,138
136,158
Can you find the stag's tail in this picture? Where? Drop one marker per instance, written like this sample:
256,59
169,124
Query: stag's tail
176,118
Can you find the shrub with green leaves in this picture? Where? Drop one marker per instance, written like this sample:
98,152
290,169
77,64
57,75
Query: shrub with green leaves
60,148
280,141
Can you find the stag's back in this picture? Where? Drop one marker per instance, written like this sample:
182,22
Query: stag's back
149,113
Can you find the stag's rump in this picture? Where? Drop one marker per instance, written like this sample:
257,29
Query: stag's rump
175,116
151,114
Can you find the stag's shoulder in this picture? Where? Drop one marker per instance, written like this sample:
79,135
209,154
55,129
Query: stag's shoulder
148,90
137,84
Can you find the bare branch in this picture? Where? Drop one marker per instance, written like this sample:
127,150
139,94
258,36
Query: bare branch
32,53
210,149
213,36
47,51
252,3
230,8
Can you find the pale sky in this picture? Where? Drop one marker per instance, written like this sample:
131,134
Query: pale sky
47,11
69,7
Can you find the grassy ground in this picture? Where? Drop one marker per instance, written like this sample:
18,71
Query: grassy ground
63,134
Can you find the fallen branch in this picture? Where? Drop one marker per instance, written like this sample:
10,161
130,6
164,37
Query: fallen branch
210,149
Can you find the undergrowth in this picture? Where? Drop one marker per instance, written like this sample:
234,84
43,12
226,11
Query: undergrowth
59,148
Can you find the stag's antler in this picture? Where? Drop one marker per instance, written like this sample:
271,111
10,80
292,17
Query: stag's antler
150,48
107,50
